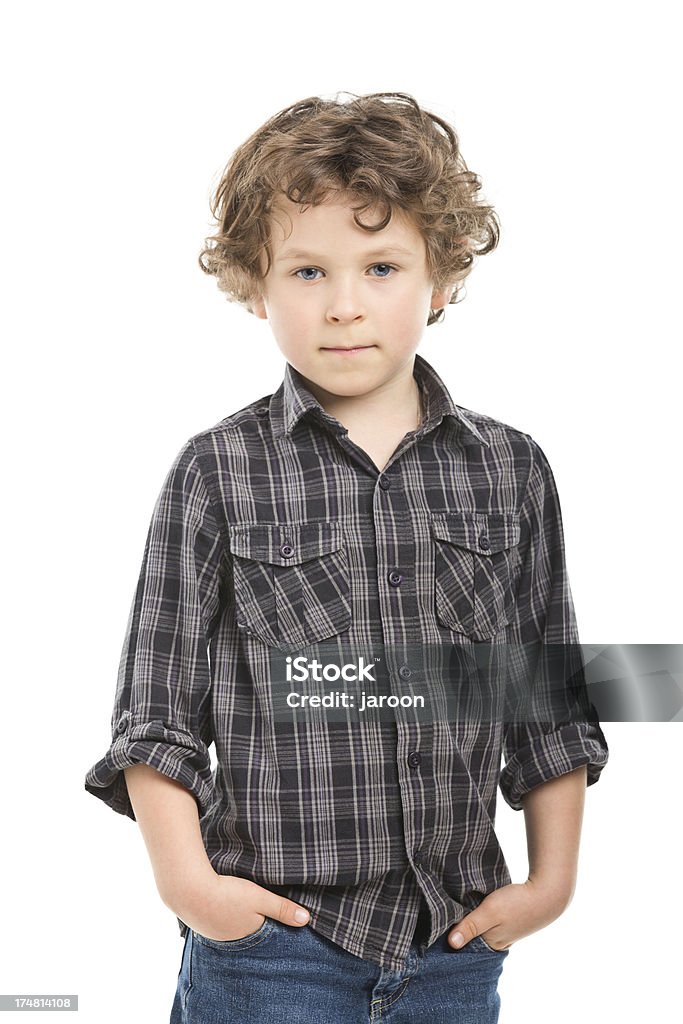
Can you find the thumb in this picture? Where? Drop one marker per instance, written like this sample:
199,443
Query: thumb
287,911
465,930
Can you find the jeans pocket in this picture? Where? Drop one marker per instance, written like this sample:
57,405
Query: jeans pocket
487,947
475,561
291,581
245,942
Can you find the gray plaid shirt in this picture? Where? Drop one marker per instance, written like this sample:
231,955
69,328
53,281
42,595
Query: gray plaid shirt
274,531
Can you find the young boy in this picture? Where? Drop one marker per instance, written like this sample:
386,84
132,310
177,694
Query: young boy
327,862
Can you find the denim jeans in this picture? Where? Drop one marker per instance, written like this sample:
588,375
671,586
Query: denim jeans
281,974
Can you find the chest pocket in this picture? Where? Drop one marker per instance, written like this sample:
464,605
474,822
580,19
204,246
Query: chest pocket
476,555
291,581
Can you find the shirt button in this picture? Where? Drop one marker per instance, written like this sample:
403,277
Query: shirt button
484,542
123,724
286,549
262,410
417,858
384,483
405,672
414,758
395,578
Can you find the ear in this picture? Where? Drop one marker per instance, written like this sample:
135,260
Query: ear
441,297
258,308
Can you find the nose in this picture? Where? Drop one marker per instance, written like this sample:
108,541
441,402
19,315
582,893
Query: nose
344,304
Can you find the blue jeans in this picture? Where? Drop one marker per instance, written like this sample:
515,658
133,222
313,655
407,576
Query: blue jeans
285,975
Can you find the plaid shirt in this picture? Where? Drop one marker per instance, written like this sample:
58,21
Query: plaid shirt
273,530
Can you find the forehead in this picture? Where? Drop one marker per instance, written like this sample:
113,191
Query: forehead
294,225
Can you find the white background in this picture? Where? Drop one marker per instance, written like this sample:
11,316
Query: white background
118,120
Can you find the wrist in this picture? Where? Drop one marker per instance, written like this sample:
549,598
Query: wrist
186,895
556,891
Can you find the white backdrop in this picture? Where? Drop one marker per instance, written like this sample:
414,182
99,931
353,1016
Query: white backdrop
118,120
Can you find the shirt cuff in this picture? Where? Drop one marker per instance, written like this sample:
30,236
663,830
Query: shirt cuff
550,755
174,752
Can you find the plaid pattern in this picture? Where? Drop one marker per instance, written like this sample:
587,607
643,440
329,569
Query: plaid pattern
274,530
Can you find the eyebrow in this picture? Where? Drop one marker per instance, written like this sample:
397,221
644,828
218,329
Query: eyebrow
300,254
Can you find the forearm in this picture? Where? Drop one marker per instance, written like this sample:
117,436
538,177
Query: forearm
553,814
169,821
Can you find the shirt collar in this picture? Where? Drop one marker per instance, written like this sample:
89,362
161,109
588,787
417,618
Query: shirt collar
293,400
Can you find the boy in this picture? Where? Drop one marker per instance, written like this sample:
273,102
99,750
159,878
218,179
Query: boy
357,503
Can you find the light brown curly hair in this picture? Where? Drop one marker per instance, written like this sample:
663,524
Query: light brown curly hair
381,149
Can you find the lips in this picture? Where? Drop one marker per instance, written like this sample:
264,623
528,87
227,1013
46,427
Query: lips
348,348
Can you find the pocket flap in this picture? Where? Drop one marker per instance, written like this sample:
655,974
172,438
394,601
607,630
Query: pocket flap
285,544
483,532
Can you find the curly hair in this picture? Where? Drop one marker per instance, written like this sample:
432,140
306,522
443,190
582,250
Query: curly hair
381,149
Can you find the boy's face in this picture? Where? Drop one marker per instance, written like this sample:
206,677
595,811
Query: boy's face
349,288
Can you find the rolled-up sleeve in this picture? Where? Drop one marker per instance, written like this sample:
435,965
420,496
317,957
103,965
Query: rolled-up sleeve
162,709
552,727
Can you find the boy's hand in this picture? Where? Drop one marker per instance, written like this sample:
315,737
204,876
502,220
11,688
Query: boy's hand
510,913
225,907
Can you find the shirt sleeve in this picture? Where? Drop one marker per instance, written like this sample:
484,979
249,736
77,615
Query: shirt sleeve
162,709
551,728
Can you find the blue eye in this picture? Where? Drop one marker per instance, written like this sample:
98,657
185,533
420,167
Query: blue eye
302,270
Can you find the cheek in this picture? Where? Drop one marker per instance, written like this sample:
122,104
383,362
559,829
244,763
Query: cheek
409,312
286,314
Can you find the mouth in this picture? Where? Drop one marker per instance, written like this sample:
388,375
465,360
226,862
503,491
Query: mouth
349,348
